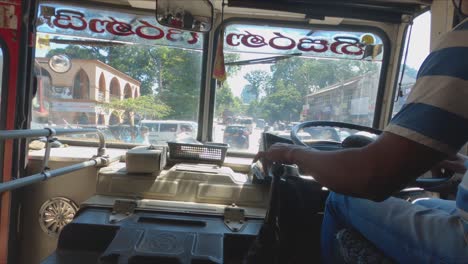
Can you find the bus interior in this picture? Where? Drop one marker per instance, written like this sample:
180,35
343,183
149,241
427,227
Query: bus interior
88,178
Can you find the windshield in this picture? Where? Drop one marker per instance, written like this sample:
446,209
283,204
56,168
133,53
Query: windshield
279,76
127,74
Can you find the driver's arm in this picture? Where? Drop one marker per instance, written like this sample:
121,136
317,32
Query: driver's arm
373,172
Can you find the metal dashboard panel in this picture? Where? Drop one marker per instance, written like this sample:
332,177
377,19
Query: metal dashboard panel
195,183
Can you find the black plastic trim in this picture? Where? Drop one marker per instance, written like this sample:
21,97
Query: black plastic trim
94,4
362,9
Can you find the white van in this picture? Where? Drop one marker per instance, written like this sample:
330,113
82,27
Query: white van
161,131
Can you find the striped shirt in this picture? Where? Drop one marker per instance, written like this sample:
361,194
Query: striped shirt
436,112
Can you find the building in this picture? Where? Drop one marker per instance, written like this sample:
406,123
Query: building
76,96
351,100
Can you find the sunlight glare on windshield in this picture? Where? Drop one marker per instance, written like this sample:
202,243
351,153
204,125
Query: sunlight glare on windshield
133,79
330,75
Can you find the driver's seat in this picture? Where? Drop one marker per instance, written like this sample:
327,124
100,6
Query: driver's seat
351,247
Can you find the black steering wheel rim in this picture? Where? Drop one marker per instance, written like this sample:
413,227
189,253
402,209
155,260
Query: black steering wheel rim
295,139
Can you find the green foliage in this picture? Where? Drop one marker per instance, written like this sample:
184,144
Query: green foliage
225,100
290,80
180,80
303,74
139,62
79,52
259,81
283,104
171,77
148,106
231,57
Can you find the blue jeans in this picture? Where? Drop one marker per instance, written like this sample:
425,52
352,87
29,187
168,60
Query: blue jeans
429,231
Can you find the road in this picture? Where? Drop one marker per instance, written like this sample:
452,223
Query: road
254,138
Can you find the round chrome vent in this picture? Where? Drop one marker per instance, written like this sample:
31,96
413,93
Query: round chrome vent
55,214
60,63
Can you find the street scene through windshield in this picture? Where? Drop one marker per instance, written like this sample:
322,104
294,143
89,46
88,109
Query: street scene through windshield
135,80
139,82
278,77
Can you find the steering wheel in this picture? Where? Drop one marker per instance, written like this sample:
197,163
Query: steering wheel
425,183
295,130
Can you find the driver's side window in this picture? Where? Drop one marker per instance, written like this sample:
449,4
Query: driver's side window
418,49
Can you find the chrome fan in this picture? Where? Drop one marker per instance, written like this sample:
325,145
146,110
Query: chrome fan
55,214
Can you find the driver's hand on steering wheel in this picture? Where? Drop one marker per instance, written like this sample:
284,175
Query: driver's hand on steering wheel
454,164
279,152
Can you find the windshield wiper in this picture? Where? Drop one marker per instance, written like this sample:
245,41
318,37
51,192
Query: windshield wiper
267,60
98,43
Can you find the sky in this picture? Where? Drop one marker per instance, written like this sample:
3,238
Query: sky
237,81
420,39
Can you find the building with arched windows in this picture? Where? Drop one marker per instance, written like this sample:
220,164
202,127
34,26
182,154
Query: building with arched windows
77,96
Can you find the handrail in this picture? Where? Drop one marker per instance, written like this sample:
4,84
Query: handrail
45,175
98,160
50,132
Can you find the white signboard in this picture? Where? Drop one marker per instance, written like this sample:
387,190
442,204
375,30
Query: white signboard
86,107
359,106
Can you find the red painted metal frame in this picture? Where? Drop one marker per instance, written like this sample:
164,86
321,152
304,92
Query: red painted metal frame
10,37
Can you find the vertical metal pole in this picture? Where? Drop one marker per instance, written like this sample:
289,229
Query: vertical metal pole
49,141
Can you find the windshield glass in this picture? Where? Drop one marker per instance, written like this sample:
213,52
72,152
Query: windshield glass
126,74
278,76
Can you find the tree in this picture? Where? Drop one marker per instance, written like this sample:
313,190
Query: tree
180,74
80,52
285,71
305,73
147,106
254,109
139,62
258,81
282,104
225,100
231,57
